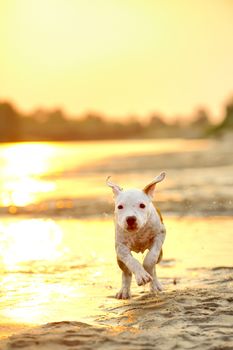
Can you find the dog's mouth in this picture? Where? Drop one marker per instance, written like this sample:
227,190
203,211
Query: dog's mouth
132,228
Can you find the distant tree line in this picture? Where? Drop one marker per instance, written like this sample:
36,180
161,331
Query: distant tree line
44,125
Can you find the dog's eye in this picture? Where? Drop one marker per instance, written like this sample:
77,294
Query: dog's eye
142,205
120,206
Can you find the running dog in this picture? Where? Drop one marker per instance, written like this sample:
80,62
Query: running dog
138,226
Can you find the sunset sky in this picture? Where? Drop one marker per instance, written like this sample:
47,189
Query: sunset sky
117,57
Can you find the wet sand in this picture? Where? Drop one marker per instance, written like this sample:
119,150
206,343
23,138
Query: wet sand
62,297
73,306
195,317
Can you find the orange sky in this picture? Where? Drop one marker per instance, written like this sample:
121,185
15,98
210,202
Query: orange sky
117,57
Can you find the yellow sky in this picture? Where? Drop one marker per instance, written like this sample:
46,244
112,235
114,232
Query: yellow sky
117,57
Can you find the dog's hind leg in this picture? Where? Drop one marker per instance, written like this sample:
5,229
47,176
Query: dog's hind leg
124,292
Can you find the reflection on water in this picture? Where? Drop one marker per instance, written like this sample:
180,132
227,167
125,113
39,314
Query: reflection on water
29,240
26,159
31,172
66,269
49,268
22,165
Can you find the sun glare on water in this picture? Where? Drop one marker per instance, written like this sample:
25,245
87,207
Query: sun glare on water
23,164
27,158
36,172
29,240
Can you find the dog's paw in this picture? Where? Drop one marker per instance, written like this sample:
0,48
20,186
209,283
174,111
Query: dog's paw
142,277
156,286
123,293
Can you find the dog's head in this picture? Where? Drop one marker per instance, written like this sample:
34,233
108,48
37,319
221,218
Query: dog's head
133,207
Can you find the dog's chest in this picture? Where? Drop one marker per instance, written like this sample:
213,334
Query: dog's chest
140,241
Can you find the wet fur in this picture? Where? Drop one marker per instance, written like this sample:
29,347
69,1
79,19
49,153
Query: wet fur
149,234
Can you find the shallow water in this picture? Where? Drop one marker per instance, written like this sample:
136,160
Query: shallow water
31,172
56,177
53,270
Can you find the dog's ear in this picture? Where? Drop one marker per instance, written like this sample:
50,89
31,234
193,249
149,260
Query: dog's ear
115,188
150,188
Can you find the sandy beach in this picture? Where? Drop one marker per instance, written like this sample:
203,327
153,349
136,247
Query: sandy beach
196,317
58,270
108,108
195,310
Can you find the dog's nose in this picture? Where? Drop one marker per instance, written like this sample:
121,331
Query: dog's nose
131,220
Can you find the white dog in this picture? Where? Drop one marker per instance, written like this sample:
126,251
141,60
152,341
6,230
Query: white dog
139,226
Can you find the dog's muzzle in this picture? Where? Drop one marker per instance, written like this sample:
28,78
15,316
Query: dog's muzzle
131,223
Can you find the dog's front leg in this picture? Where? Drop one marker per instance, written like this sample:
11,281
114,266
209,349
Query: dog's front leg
134,266
151,260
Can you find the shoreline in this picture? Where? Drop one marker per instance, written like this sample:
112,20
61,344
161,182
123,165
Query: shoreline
195,309
8,329
94,207
177,318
